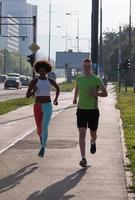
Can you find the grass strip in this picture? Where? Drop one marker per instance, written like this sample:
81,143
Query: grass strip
126,104
13,104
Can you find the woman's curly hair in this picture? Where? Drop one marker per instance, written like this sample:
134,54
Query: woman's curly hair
43,64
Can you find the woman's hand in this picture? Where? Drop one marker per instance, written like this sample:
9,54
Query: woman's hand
55,102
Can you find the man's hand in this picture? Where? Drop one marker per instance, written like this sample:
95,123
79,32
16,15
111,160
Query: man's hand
75,101
93,93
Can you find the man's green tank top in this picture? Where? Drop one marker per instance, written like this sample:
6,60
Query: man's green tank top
86,84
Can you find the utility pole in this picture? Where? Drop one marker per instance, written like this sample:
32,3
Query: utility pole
20,63
5,56
119,62
50,16
101,40
132,68
34,39
94,35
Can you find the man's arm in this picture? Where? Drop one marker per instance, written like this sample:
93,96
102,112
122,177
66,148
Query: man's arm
100,92
75,95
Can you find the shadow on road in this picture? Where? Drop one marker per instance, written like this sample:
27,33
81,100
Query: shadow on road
57,190
11,181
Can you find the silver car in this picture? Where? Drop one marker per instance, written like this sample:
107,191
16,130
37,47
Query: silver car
12,82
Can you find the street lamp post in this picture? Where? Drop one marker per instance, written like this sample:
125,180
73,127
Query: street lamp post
130,30
77,37
94,34
101,42
49,45
63,25
130,55
119,61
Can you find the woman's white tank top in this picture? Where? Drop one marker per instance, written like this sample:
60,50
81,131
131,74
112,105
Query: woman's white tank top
43,87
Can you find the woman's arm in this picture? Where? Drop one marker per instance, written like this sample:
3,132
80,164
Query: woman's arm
31,89
55,101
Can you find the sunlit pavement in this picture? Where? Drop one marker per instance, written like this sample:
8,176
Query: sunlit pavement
19,123
58,176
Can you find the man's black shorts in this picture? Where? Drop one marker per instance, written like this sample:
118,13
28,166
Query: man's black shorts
87,118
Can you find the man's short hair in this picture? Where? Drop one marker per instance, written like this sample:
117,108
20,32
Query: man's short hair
88,60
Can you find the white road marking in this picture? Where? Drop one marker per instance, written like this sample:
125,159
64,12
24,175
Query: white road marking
30,131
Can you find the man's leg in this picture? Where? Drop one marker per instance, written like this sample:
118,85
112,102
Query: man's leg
93,125
93,135
93,141
82,127
82,135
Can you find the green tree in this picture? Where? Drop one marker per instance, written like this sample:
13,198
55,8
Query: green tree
110,50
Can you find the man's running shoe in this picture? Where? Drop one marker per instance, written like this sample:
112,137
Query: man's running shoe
41,152
83,162
93,147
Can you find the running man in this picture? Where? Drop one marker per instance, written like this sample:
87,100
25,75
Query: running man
88,87
40,87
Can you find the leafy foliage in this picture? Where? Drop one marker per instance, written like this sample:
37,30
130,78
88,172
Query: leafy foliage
14,62
111,47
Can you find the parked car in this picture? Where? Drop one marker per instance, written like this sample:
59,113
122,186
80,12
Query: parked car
25,80
12,82
13,74
2,77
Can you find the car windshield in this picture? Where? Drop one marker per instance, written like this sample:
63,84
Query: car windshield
12,78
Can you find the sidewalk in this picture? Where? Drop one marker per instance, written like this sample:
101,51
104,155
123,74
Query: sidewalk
58,176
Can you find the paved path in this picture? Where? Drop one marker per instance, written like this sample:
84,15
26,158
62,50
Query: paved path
19,123
57,176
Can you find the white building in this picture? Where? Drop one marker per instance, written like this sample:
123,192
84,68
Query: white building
21,9
9,33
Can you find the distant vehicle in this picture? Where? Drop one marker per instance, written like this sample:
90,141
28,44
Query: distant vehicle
13,75
52,75
12,82
25,80
2,77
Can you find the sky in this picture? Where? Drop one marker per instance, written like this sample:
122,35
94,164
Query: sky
115,13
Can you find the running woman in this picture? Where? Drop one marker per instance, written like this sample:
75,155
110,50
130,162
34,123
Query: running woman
40,87
88,87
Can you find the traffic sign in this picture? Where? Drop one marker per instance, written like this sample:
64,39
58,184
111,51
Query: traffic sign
34,47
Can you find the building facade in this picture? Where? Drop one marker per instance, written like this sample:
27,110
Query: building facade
22,12
9,32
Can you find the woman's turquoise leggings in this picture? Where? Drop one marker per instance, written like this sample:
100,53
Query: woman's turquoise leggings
42,114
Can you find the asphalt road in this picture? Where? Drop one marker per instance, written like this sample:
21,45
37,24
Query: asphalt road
20,123
13,93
